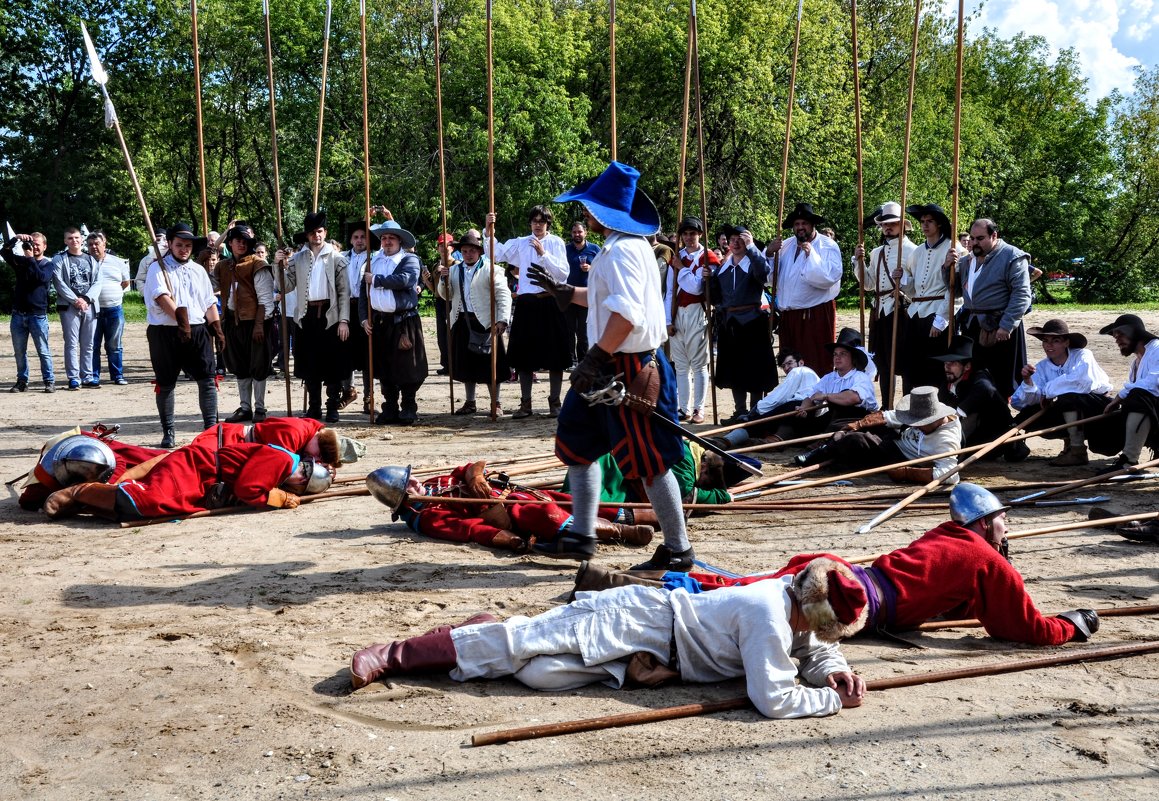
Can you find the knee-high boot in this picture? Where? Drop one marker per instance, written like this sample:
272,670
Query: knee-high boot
207,400
165,411
427,653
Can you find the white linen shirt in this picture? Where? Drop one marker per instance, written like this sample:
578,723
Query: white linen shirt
1079,374
356,263
879,268
382,300
521,254
808,281
856,380
915,444
924,273
190,288
689,277
1144,371
624,280
798,385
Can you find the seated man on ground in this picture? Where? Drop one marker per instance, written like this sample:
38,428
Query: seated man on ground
180,484
615,637
1139,397
919,426
1071,386
799,384
984,413
844,395
956,571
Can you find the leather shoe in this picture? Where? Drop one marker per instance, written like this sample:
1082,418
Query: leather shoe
242,415
666,559
567,546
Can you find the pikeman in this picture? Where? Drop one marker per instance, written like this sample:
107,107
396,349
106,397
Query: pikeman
1139,397
318,273
180,305
927,270
883,279
504,526
361,247
650,636
389,313
958,570
983,411
1071,385
247,290
626,329
253,474
687,321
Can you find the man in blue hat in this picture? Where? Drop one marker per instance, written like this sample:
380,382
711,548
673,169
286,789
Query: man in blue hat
626,327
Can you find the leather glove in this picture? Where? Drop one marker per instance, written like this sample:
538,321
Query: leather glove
869,421
561,291
911,475
1086,623
218,333
259,333
591,370
184,332
280,499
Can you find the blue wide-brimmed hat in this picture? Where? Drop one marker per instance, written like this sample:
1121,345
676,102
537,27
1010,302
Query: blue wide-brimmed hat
616,202
734,473
392,227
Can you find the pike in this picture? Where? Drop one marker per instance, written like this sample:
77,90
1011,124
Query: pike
277,202
761,420
444,259
611,68
491,209
703,203
956,181
860,172
200,128
366,202
322,113
1078,655
785,164
1083,482
102,78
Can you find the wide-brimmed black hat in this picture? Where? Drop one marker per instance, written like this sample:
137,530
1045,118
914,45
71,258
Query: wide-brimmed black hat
181,231
917,211
349,227
690,224
1057,328
868,221
803,211
1132,323
961,350
240,230
314,221
850,339
470,238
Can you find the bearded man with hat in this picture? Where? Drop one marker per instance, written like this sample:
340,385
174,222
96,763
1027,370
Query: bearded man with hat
626,329
318,273
983,410
389,313
649,635
1139,397
1071,386
361,247
247,289
920,426
180,306
685,312
468,296
808,280
927,274
958,570
995,283
880,276
744,360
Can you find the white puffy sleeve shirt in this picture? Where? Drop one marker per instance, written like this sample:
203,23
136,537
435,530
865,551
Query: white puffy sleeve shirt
1079,374
521,253
624,280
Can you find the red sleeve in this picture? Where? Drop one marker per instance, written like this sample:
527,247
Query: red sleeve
1006,611
444,523
291,433
255,470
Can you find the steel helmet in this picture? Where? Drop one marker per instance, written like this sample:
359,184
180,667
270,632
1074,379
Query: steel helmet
318,476
388,485
79,459
970,503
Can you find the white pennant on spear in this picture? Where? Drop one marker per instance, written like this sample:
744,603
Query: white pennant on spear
17,245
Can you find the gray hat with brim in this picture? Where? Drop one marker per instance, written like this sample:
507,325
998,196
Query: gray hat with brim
921,407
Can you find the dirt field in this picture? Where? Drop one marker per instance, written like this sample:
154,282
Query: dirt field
207,659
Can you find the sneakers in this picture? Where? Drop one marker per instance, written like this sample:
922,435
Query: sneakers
697,416
91,385
49,387
73,386
567,546
19,386
666,559
241,415
120,382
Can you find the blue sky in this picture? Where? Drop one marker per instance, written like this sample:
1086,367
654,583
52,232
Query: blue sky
1110,36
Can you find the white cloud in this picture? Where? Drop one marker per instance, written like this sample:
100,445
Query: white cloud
1090,27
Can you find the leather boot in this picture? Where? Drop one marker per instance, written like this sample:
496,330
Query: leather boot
313,400
166,411
642,517
668,560
592,578
1071,456
523,411
811,457
207,400
637,536
474,620
409,408
333,403
508,541
90,497
428,653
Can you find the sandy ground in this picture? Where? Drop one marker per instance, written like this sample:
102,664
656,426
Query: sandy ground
207,659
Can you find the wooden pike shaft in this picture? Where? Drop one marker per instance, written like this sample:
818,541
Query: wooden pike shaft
444,256
200,128
612,70
785,160
1110,611
1083,482
887,402
703,202
860,173
876,685
278,205
760,421
491,206
366,204
684,127
322,114
955,186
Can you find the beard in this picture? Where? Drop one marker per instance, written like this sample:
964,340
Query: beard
977,251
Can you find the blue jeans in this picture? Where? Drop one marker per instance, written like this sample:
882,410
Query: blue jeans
36,326
110,326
